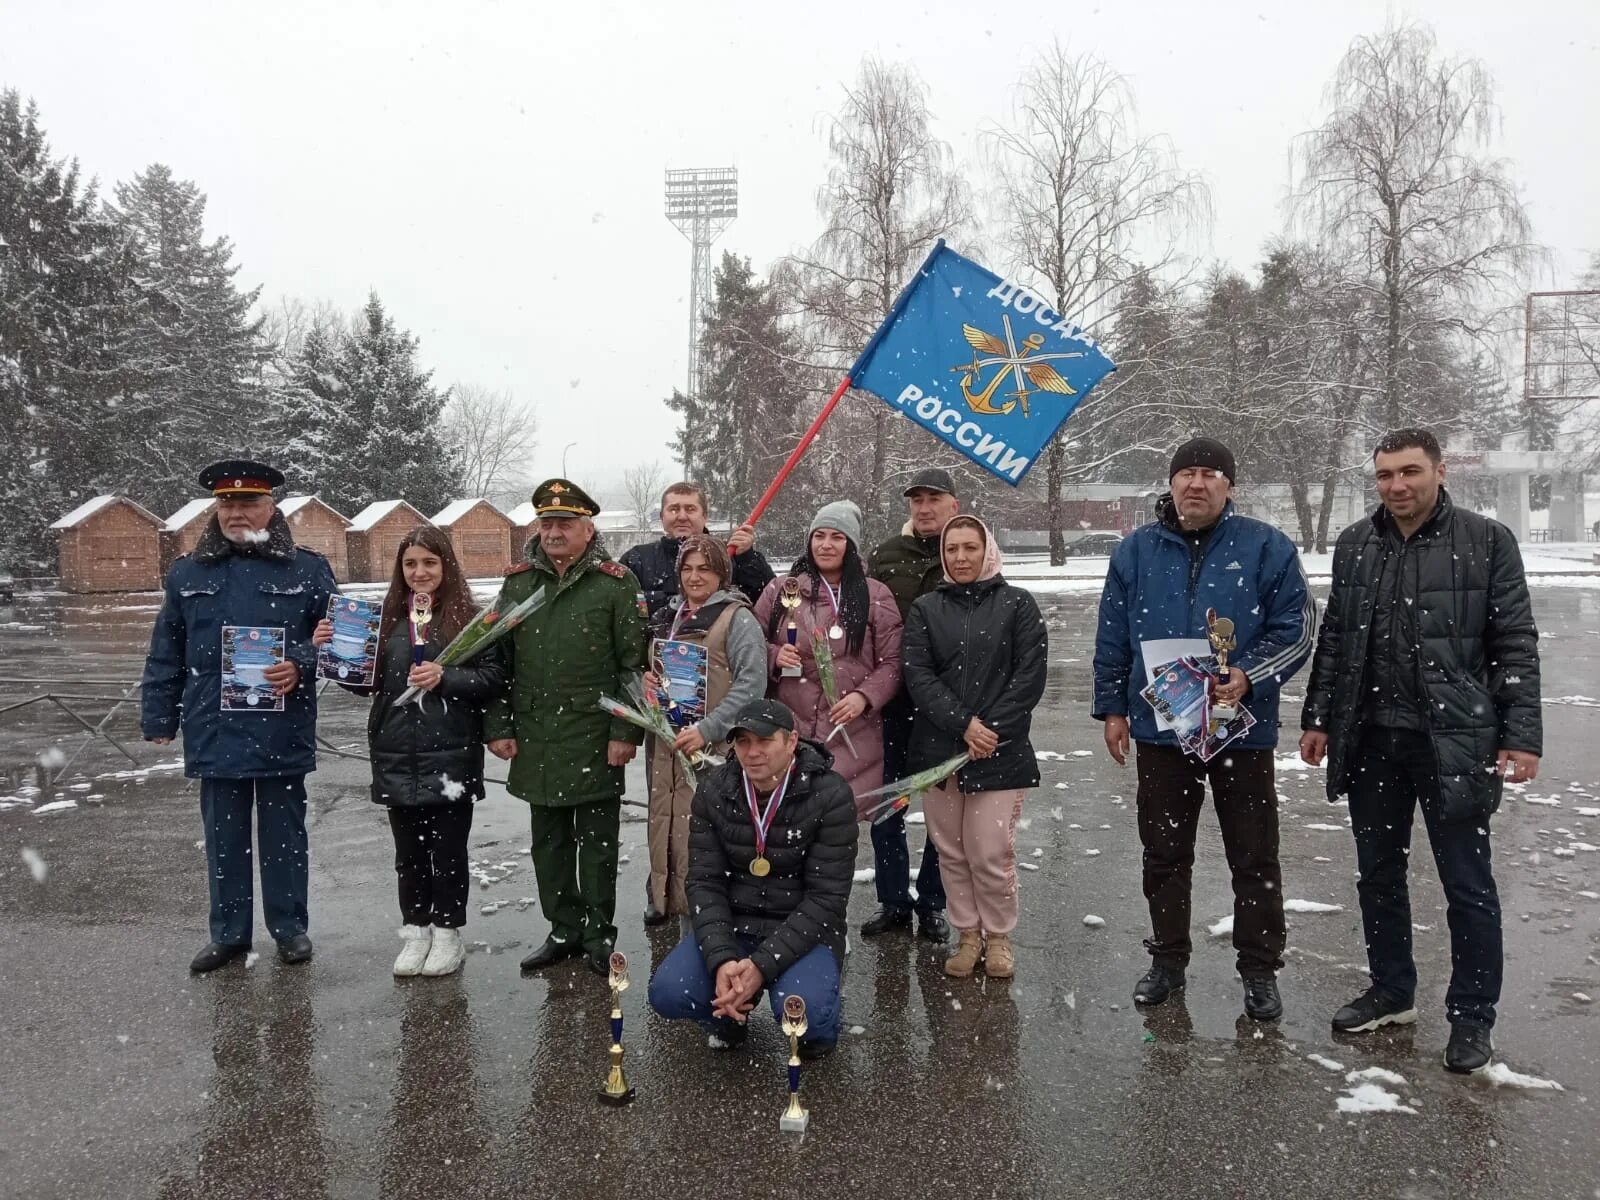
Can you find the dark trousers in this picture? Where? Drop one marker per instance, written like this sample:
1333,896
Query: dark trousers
682,989
280,809
1393,771
891,855
430,859
575,861
1172,790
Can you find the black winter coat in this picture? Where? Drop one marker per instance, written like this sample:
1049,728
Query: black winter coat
422,754
655,565
811,846
1478,650
975,650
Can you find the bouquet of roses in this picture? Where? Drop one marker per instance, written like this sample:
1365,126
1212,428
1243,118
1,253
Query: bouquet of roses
897,796
483,631
646,713
822,653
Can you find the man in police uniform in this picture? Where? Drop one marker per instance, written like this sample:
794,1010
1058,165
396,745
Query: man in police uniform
567,756
246,570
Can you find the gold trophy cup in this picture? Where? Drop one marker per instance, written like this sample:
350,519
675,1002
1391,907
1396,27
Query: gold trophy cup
789,597
616,1091
1219,632
794,1119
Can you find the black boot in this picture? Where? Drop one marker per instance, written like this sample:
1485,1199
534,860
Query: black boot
652,914
296,949
217,954
888,917
1261,1000
599,960
550,953
932,927
1157,985
1470,1048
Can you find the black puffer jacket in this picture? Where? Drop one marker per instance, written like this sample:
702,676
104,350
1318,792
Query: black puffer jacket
421,753
811,846
975,650
1461,575
655,565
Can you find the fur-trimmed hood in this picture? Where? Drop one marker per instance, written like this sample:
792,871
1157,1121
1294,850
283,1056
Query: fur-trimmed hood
279,546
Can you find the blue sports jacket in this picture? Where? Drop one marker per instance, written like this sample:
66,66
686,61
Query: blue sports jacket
1249,572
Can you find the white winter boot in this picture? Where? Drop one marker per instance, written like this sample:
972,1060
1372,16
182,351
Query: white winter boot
418,940
446,954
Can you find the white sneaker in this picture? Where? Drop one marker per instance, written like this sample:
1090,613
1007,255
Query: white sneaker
446,954
418,939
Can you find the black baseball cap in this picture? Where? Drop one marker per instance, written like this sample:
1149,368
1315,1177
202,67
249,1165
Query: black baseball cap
763,718
933,479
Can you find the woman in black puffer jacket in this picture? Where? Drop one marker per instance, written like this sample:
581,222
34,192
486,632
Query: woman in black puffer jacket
427,756
974,658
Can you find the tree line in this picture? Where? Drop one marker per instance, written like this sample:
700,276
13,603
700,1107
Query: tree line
129,357
1391,295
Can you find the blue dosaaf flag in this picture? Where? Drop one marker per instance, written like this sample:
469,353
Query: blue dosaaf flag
981,363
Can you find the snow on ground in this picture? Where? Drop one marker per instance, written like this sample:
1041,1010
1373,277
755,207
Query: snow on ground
1370,1098
1376,1075
1324,826
36,865
1327,1064
55,806
1093,922
1500,1075
1311,906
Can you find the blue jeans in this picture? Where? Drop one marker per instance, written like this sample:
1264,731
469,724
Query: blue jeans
1392,773
280,810
682,990
891,856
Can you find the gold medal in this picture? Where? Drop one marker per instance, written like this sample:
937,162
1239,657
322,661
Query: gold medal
760,867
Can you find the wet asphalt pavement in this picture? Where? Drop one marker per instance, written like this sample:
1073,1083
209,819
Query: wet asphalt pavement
124,1076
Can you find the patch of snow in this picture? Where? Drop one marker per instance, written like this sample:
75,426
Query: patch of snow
1028,866
83,512
865,875
917,818
1376,1075
36,865
1370,1098
251,959
1221,928
1326,1063
189,512
1324,826
1500,1075
1311,906
1094,922
54,806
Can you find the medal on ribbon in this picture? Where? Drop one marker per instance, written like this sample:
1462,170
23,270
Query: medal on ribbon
836,630
760,865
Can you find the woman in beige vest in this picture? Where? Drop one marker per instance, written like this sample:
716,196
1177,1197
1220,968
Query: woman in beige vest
711,616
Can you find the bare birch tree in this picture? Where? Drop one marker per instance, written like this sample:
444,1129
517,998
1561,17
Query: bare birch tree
892,191
642,484
1079,188
1394,182
494,437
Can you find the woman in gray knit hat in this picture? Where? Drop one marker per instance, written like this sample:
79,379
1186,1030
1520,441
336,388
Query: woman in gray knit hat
858,620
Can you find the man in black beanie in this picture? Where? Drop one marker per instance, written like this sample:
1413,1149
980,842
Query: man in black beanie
1200,554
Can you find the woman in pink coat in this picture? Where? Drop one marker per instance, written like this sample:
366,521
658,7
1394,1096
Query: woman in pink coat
860,622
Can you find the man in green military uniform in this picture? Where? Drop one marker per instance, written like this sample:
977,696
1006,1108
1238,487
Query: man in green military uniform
567,756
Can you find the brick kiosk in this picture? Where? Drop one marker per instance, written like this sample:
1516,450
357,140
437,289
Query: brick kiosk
318,526
481,535
181,533
374,538
109,544
527,525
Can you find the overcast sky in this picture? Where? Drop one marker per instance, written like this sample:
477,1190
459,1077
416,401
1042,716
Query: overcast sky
494,171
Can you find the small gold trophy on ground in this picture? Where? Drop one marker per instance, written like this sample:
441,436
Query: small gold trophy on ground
789,597
1219,632
616,1091
795,1118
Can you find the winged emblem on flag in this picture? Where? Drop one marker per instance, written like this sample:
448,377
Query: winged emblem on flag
1030,370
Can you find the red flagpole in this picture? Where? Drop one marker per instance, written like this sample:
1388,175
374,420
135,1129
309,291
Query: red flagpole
794,457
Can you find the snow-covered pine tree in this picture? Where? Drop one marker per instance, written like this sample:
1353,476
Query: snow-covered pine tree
192,353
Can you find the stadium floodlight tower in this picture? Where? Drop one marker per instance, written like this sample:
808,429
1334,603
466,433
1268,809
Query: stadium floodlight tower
702,203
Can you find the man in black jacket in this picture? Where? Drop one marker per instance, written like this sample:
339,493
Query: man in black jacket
772,853
684,511
1425,691
908,564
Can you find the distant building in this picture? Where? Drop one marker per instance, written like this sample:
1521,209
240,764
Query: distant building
481,534
374,538
525,526
109,544
181,533
319,526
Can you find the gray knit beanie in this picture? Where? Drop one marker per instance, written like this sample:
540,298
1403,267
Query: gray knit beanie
842,515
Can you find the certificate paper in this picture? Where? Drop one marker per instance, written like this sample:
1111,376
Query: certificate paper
683,675
1179,691
247,652
352,656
